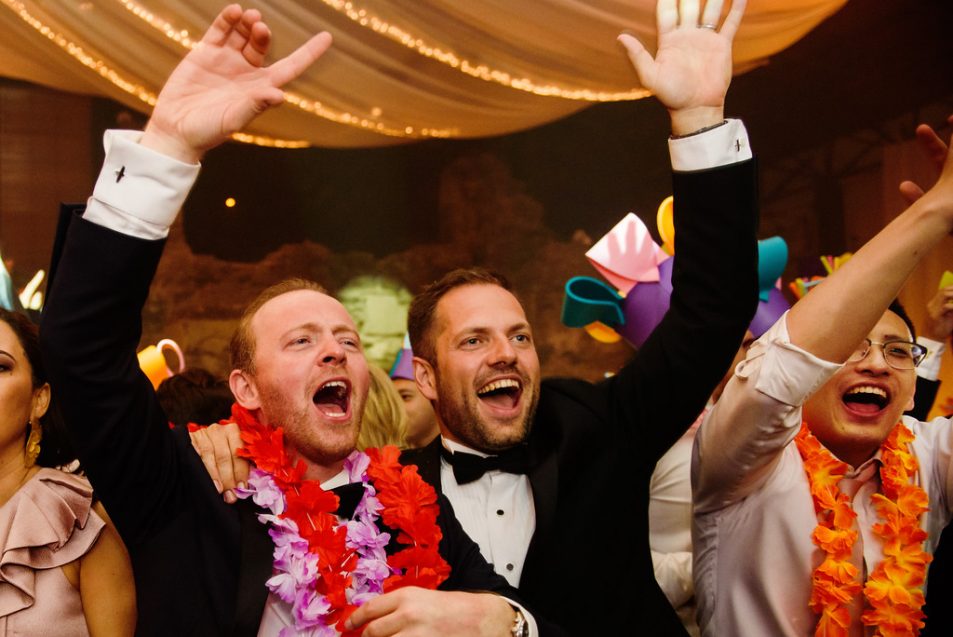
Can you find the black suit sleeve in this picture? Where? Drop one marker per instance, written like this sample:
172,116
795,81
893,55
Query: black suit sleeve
89,333
666,385
924,398
469,571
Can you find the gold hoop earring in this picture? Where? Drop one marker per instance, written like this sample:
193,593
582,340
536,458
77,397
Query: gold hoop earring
33,443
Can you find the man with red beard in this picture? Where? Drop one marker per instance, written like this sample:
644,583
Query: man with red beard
817,502
300,381
551,478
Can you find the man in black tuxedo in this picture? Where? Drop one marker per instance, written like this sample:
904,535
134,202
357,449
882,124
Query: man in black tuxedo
563,531
200,565
572,533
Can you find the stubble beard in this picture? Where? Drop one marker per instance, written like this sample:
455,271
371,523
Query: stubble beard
304,435
462,418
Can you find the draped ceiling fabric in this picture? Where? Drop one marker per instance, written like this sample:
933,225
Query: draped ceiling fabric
399,70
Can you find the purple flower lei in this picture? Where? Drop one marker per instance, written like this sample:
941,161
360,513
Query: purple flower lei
296,568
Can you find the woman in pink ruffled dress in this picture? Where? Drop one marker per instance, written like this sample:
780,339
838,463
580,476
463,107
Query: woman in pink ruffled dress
63,569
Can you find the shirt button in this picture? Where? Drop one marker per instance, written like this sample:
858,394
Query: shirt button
499,511
509,567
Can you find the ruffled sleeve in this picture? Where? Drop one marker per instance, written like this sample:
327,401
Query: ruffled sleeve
46,524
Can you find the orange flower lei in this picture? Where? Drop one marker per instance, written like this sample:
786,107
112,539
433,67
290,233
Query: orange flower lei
894,590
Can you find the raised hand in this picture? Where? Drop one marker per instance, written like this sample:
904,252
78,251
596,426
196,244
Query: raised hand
939,321
691,70
935,149
222,85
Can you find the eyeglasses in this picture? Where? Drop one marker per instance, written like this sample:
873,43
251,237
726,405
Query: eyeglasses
901,355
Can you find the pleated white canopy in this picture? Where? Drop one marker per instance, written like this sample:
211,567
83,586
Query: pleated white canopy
399,70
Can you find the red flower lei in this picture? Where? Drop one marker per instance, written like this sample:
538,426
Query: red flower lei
409,507
894,590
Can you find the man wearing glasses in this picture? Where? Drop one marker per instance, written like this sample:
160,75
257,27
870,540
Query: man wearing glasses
817,503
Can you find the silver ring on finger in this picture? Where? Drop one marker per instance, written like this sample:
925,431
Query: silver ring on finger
712,27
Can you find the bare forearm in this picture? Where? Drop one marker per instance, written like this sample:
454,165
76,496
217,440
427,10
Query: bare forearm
836,315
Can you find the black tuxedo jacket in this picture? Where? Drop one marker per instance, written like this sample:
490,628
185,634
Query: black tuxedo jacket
924,397
593,447
200,565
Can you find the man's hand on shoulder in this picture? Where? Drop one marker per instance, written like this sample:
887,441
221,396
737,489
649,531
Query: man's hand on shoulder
217,446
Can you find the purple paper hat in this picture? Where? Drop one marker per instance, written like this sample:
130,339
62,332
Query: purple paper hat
769,312
404,363
645,305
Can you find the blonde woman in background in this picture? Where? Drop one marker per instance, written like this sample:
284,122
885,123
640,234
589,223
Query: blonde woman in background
385,419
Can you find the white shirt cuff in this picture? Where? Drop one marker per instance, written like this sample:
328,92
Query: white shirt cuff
788,373
929,367
139,191
720,146
528,616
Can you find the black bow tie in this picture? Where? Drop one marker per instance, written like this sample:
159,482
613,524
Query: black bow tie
349,496
468,467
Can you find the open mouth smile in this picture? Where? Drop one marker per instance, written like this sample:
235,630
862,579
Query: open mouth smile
333,399
501,395
866,400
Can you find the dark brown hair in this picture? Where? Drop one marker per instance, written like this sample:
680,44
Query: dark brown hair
56,448
423,308
897,308
242,346
195,395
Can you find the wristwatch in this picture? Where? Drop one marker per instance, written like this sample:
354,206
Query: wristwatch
520,626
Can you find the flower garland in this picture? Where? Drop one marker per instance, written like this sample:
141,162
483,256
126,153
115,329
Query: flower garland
894,590
324,568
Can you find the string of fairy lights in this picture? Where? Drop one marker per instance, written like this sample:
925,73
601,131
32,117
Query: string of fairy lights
357,14
76,52
110,74
314,107
369,20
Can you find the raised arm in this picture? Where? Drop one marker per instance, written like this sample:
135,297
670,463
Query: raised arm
760,410
831,320
91,324
661,392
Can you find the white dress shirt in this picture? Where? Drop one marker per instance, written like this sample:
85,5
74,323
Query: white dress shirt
670,525
496,511
929,367
754,514
139,191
